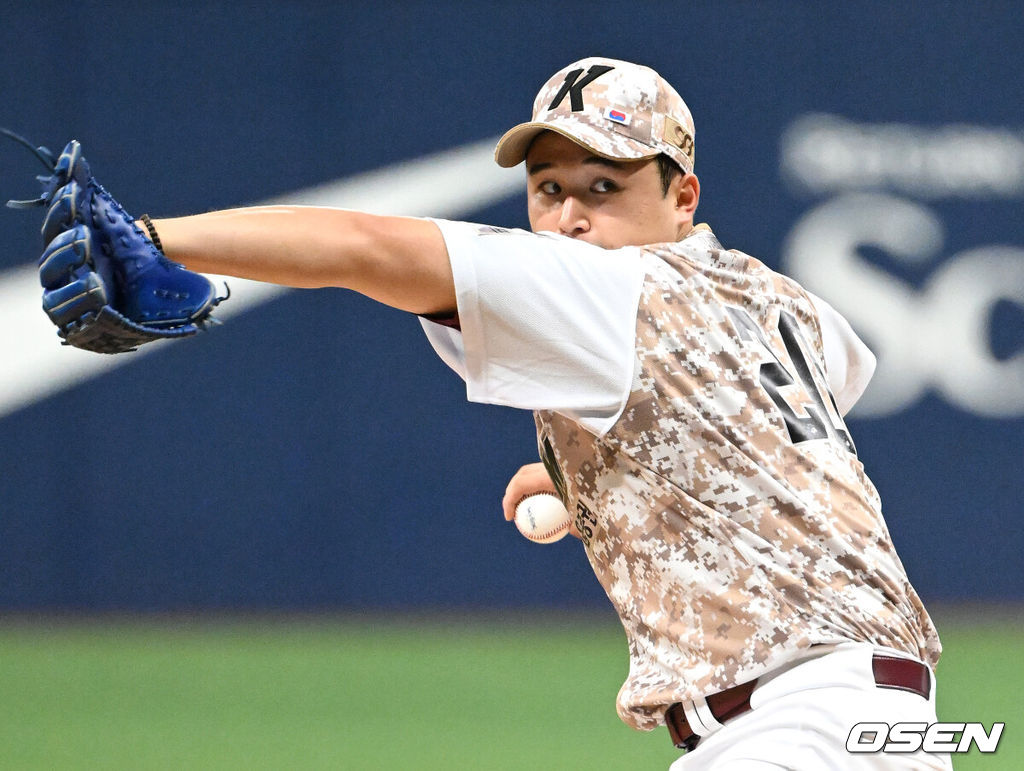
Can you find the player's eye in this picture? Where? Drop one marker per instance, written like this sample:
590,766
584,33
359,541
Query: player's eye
604,186
549,188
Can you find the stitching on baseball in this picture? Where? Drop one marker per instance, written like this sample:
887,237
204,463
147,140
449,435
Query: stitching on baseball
552,532
549,533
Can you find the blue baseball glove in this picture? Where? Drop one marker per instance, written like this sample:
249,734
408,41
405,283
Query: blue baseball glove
106,286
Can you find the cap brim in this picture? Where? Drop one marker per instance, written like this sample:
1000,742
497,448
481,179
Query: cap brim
511,148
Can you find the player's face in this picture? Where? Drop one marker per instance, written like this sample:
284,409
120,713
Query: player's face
607,203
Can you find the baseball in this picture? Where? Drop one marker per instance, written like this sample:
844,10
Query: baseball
542,518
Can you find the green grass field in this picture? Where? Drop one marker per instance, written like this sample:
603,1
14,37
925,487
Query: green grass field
441,693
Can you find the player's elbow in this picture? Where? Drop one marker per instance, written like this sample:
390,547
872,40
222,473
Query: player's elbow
402,262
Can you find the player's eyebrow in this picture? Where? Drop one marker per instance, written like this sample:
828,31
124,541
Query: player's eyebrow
605,162
592,159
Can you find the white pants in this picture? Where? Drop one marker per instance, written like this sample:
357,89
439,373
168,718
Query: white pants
801,716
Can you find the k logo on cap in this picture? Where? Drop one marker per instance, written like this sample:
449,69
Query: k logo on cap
615,109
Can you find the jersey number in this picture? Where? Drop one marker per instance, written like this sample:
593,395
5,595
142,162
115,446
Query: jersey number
817,419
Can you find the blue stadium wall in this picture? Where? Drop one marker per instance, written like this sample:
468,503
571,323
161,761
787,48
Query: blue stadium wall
313,453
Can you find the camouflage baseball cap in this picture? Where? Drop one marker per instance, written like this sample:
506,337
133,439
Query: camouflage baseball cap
613,108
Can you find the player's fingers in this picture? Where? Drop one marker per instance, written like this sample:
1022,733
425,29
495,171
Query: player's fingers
517,477
508,503
514,492
529,479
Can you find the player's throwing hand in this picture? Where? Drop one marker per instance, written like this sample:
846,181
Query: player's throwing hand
528,480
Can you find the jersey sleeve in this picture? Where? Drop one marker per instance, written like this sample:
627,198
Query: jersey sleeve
545,322
849,363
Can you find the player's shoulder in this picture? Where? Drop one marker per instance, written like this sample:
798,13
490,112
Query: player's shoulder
700,254
701,260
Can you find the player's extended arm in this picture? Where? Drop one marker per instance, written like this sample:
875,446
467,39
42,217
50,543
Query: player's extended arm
109,289
399,261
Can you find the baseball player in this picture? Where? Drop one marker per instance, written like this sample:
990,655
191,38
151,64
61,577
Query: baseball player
689,406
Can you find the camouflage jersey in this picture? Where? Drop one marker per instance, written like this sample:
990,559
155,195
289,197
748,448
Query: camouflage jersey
724,511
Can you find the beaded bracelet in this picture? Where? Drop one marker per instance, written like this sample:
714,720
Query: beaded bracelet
152,231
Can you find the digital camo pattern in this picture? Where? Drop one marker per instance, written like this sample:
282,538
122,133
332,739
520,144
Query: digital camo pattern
618,109
725,546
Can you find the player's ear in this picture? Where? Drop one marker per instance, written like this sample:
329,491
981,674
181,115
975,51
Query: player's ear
685,190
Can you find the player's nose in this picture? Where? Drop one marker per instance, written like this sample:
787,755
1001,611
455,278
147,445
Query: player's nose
572,219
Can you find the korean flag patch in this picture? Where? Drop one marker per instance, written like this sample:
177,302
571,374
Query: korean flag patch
617,116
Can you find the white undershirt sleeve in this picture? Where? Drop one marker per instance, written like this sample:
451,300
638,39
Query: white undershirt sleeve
849,363
546,322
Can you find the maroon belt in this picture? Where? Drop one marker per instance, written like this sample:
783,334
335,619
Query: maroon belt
889,671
